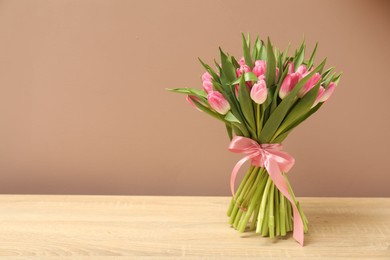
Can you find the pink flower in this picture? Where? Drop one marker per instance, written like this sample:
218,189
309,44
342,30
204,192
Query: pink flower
290,67
207,83
206,76
302,70
259,68
207,86
309,84
241,61
321,92
324,94
276,74
288,84
190,100
218,102
328,92
241,69
259,92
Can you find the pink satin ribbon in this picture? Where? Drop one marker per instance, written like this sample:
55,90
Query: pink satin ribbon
275,162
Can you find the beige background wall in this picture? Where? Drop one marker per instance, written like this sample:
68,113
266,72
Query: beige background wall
83,108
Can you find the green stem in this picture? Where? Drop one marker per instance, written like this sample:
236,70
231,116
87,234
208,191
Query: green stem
282,215
247,197
254,218
260,218
258,118
254,199
264,226
238,203
238,192
277,220
289,216
271,218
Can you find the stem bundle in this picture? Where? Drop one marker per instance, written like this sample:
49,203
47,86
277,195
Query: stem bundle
259,205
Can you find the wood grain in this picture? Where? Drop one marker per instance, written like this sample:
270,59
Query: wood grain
142,227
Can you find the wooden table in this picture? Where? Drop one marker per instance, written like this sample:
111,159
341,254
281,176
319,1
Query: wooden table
134,227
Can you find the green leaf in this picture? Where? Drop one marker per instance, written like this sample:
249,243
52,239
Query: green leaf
209,70
229,130
246,51
255,49
299,57
189,91
328,79
337,78
279,138
282,109
208,110
276,93
228,92
234,62
248,40
227,67
249,76
263,51
311,60
246,104
237,130
327,72
285,53
231,118
301,108
271,66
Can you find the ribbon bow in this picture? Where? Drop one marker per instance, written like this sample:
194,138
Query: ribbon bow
275,161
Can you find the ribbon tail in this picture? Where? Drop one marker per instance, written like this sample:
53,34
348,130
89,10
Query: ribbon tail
280,182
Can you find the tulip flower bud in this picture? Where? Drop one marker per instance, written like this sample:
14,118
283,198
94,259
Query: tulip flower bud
241,61
302,70
328,92
241,69
207,86
288,84
309,84
290,67
206,77
321,92
218,102
259,92
259,68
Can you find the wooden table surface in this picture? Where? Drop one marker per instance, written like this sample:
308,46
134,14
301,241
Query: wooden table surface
146,227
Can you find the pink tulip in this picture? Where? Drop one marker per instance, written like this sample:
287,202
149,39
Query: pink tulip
259,92
309,84
207,86
302,70
259,68
190,100
276,74
321,92
290,67
241,69
218,102
206,76
328,92
241,61
288,84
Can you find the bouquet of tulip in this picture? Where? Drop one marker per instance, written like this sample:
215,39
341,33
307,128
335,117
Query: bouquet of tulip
261,98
